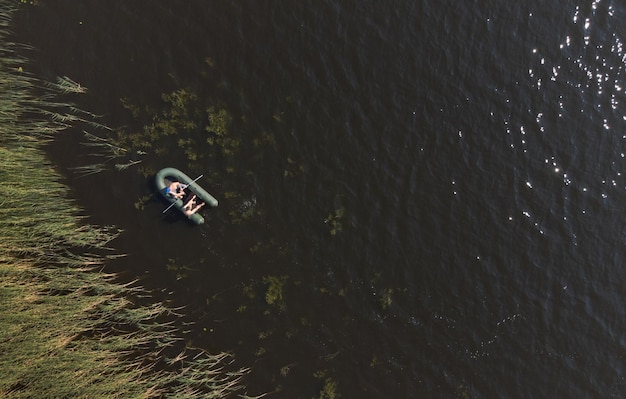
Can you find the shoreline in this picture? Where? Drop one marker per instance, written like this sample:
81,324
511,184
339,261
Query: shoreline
71,330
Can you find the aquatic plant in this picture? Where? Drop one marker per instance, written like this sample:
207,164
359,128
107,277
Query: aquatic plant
248,291
293,169
274,294
68,329
385,298
180,117
141,202
329,389
203,130
333,220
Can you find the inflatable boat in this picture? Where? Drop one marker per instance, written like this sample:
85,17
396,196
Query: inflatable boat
166,176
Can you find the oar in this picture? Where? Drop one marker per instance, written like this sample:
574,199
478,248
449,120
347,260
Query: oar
193,181
184,187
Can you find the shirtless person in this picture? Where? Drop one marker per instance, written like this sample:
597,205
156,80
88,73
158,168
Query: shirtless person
192,206
176,190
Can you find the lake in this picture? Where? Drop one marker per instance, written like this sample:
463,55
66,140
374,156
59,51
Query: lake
417,198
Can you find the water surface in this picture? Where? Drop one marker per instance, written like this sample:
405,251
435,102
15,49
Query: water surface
438,198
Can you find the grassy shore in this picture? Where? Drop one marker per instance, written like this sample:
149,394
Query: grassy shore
69,330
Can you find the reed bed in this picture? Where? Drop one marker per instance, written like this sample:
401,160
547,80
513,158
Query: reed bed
68,329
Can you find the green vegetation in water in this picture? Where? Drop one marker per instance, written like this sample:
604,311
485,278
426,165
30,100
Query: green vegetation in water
333,220
180,271
183,123
293,168
274,293
226,148
69,330
329,389
140,204
385,298
205,132
248,291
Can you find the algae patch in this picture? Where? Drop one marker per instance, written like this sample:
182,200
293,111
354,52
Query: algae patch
274,293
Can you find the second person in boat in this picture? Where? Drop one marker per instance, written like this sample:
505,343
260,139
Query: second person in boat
192,206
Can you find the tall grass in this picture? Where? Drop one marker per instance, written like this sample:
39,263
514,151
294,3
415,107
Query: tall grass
67,329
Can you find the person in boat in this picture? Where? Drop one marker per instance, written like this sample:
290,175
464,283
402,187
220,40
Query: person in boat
192,206
175,189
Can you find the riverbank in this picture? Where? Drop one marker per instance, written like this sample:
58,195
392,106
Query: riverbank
70,330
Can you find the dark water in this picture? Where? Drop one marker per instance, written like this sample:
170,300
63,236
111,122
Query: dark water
441,198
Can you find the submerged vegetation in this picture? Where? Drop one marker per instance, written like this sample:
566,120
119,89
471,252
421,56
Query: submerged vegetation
329,389
224,147
193,128
69,330
184,124
274,294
